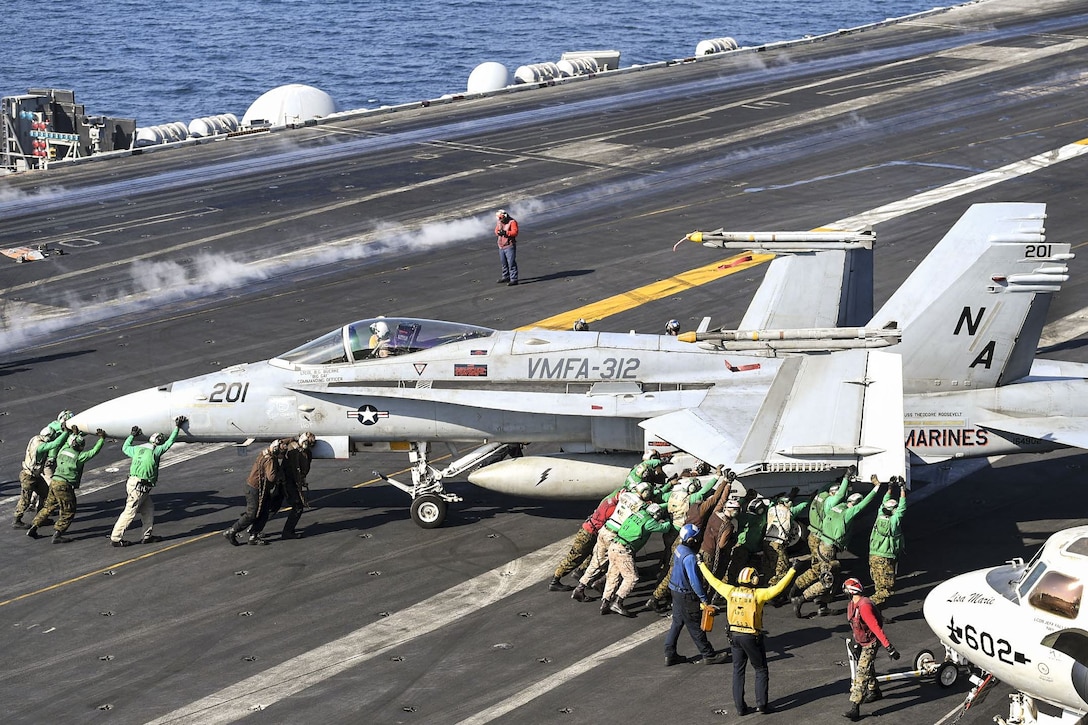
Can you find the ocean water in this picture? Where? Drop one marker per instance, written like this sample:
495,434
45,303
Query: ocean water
180,59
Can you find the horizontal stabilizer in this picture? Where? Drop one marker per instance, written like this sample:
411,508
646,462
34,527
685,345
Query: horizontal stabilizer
822,413
1063,429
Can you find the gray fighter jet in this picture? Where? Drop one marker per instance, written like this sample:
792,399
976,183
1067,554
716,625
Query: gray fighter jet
758,401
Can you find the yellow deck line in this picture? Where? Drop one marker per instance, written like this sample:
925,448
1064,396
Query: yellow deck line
654,291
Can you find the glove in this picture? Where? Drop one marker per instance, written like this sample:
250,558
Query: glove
180,421
852,471
135,431
874,480
893,652
100,433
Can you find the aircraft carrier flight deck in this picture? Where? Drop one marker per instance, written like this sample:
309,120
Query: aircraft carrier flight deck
182,262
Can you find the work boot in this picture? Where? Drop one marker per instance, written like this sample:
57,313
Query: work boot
48,522
618,608
822,608
232,536
60,538
18,523
257,540
671,660
151,539
597,583
579,593
122,542
556,585
873,695
719,659
290,535
765,709
798,602
32,532
854,713
606,605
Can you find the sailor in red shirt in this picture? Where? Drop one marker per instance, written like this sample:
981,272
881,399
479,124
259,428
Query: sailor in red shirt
866,625
506,232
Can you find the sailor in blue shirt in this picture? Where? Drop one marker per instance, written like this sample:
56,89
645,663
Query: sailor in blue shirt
688,600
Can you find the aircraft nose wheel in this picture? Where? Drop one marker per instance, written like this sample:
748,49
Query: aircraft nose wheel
429,511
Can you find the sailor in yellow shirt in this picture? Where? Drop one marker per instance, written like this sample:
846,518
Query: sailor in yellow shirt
744,609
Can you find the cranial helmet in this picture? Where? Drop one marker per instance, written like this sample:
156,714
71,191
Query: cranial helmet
76,442
643,489
580,325
657,511
757,506
47,433
852,499
889,506
500,213
852,586
689,533
306,440
834,489
732,504
748,577
380,329
64,415
157,439
672,327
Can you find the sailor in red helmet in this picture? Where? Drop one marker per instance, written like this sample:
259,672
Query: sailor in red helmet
867,627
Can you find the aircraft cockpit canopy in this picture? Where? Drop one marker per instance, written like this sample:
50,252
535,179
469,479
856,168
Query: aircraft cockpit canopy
1052,591
381,337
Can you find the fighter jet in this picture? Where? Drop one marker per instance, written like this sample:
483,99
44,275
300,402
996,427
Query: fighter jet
758,401
1023,624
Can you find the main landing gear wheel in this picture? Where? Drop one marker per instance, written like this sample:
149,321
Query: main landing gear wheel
429,511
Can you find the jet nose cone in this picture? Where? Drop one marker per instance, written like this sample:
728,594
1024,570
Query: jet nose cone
150,409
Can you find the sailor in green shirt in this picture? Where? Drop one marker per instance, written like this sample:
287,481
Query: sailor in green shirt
838,515
886,543
143,474
62,489
751,525
632,536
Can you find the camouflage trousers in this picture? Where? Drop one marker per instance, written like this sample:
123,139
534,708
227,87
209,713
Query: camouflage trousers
622,572
581,548
820,577
739,558
598,563
882,570
661,591
775,561
865,676
62,495
31,485
813,541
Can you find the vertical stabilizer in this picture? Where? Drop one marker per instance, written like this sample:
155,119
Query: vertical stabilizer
972,312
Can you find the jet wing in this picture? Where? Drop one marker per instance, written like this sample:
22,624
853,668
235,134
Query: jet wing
1067,430
822,412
